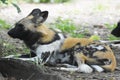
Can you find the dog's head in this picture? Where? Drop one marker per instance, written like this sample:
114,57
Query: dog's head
28,25
116,31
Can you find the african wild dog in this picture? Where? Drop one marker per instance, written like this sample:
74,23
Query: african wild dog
53,48
116,31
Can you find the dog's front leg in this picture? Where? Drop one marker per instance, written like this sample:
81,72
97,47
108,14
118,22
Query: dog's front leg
34,59
82,67
30,55
65,65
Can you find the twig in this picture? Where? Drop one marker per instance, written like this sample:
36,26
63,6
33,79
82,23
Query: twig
111,42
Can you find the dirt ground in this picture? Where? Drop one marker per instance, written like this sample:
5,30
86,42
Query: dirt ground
82,12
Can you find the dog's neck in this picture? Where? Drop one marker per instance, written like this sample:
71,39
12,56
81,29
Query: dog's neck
48,35
31,39
42,36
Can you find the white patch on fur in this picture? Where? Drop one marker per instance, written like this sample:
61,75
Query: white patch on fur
54,46
100,47
66,65
12,56
82,68
98,68
65,58
97,47
85,68
36,59
68,69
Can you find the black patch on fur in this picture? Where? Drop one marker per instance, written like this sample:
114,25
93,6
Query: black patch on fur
39,17
116,31
31,39
18,32
69,52
35,12
88,50
44,56
98,61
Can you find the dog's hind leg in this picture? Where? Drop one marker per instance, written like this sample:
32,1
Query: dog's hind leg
82,67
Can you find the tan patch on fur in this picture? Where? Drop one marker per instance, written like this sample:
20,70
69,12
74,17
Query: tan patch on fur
47,33
70,42
80,57
83,58
107,55
30,17
28,24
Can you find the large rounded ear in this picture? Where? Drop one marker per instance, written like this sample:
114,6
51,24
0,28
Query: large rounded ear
35,12
44,15
38,17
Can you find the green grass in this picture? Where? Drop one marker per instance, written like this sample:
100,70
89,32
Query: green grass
100,7
4,25
111,37
8,48
68,27
95,37
65,25
111,27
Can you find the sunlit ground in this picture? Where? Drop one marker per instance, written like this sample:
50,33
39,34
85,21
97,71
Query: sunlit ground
83,12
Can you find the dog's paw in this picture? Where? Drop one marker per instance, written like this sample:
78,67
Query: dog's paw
85,68
68,69
98,68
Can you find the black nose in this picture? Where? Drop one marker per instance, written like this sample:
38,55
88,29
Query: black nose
9,33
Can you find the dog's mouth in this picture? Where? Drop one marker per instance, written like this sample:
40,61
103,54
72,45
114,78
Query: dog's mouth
15,35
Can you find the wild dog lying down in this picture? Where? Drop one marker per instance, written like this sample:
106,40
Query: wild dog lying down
116,31
53,48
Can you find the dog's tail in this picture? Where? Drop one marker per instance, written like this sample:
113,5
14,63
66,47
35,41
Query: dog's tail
112,60
104,62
